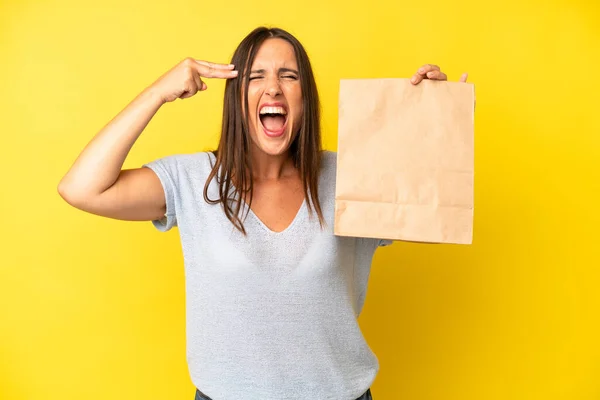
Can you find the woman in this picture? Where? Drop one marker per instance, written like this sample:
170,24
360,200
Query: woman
272,295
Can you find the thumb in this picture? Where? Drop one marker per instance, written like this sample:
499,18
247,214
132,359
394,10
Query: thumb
463,77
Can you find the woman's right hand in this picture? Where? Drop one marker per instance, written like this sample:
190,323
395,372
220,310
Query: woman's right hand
185,79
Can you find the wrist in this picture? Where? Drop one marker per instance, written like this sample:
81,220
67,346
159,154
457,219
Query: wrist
150,94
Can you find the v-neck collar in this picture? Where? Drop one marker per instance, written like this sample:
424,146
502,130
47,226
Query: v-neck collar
259,222
288,228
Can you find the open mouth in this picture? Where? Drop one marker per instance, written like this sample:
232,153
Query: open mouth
273,118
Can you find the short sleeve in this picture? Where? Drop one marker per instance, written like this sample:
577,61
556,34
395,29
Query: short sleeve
167,171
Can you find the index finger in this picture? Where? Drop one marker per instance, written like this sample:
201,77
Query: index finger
215,72
215,65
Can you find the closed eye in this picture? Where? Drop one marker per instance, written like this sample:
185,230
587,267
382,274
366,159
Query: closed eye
292,77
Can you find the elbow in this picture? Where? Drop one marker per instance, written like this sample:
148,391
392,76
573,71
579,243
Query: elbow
65,192
70,195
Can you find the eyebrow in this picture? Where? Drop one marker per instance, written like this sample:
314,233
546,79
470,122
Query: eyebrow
281,70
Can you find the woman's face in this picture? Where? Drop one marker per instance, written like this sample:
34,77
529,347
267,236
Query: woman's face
274,97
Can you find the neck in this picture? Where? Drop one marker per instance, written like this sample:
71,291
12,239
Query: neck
268,167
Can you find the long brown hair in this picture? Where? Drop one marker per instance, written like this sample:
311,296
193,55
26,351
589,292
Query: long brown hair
233,153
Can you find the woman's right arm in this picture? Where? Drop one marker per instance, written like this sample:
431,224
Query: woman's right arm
96,182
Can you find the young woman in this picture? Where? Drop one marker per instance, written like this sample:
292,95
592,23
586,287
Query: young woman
272,294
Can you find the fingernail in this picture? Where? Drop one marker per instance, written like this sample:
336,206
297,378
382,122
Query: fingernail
430,74
413,79
421,70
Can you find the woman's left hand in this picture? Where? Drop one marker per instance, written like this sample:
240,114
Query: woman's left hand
430,71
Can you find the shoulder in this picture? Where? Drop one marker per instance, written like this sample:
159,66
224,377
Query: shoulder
191,159
328,161
184,164
328,171
180,171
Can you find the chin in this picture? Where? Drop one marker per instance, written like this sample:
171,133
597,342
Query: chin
273,148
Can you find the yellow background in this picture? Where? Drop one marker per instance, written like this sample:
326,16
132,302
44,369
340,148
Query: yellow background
92,308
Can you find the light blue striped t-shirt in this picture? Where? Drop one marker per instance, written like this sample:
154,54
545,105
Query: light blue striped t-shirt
269,316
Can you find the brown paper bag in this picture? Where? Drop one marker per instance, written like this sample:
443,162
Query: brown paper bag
405,160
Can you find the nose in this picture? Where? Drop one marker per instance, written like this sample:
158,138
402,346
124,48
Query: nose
273,88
